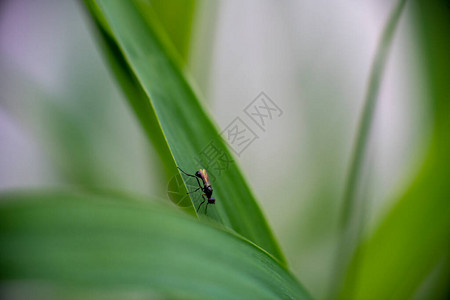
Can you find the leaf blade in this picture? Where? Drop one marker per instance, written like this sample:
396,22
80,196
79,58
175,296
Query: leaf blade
415,234
107,243
186,126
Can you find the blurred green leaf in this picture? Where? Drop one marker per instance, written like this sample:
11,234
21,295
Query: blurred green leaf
171,114
415,235
177,18
353,216
106,244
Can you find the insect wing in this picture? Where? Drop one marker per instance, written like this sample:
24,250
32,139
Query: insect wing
205,177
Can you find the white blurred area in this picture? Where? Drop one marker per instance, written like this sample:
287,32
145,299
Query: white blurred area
310,57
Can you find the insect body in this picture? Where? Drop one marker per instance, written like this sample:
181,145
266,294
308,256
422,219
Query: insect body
206,187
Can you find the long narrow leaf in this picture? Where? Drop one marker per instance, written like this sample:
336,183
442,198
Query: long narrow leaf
61,244
177,18
350,238
187,130
415,235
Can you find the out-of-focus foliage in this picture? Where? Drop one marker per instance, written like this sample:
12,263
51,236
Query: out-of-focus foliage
414,237
305,54
78,244
177,18
353,216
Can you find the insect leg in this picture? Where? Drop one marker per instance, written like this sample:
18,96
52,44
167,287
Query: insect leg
186,173
198,181
201,204
194,191
192,176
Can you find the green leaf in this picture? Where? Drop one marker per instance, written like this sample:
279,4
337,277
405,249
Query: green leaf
414,237
84,244
177,18
162,97
351,213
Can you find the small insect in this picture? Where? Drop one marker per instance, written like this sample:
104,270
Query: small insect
206,188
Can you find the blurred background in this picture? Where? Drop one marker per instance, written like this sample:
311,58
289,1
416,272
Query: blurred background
65,124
